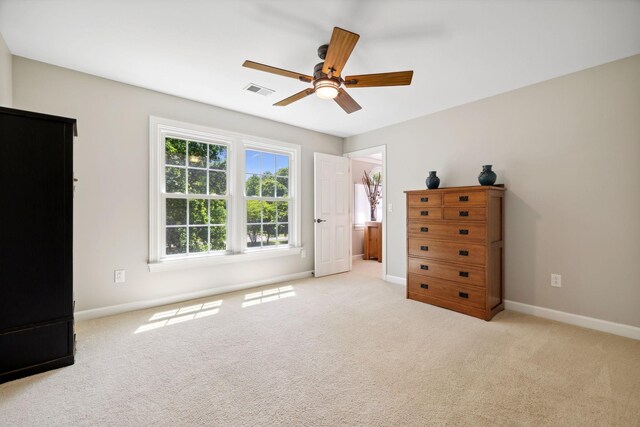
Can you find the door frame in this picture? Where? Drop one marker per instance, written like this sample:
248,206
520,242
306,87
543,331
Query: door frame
382,149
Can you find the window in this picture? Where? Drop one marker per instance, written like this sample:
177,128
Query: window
196,195
267,198
215,193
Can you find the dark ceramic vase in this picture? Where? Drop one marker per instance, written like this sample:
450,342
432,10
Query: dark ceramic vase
487,176
432,181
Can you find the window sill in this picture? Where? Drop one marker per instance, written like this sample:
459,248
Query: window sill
206,261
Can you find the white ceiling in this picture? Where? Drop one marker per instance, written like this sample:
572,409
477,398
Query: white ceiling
375,158
460,51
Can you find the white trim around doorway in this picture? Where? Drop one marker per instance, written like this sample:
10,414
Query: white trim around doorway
382,149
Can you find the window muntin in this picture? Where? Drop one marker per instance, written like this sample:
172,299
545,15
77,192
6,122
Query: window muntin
196,197
267,200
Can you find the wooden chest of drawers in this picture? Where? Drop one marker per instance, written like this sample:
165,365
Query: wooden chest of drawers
455,248
373,240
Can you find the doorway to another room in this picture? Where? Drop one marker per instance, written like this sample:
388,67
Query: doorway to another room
368,233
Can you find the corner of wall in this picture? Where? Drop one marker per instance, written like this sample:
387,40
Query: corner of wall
586,120
6,75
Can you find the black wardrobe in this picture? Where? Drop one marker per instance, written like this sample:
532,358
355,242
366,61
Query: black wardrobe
36,230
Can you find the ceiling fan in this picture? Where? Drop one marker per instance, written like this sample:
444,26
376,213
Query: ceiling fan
327,80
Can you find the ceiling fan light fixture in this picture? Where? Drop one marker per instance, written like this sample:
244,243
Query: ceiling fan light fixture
326,88
326,79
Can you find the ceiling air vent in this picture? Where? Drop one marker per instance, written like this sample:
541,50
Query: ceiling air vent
252,87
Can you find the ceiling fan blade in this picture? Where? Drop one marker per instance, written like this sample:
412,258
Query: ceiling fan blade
345,101
398,78
340,48
278,71
293,98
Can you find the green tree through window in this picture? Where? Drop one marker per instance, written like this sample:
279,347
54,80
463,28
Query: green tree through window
267,192
196,197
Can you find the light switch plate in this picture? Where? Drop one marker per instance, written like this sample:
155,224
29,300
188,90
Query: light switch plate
118,276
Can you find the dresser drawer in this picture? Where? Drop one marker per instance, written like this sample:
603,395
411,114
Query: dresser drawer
425,213
464,213
462,274
447,291
448,251
424,199
442,230
469,198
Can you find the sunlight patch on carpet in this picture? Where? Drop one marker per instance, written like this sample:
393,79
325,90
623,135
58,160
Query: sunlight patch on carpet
179,315
268,295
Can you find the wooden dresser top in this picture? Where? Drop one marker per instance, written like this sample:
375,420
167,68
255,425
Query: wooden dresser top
499,187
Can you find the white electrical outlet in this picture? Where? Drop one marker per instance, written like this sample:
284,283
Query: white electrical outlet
556,280
118,276
303,253
389,207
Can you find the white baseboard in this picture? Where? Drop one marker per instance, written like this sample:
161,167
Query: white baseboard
396,280
361,256
560,316
155,302
546,313
575,319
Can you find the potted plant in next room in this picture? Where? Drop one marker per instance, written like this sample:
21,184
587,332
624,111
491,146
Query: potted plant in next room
371,182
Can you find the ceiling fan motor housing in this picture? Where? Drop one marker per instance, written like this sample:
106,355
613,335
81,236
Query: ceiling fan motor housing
317,71
322,51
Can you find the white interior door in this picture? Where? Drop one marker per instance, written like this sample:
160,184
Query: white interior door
332,183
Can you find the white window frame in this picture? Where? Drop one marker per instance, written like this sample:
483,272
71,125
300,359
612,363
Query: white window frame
196,137
237,143
280,150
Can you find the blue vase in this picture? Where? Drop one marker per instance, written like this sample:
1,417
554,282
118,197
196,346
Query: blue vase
432,181
487,176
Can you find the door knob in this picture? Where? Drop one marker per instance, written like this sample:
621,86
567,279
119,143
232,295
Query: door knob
320,220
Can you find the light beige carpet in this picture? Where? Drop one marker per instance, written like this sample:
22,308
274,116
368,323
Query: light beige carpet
342,350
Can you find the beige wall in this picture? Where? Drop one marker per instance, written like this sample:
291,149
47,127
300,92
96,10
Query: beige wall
112,164
568,151
6,84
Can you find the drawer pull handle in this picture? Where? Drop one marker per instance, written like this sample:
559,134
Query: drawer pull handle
424,286
424,229
463,198
463,274
463,231
463,253
424,213
463,295
463,213
424,267
424,248
424,199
